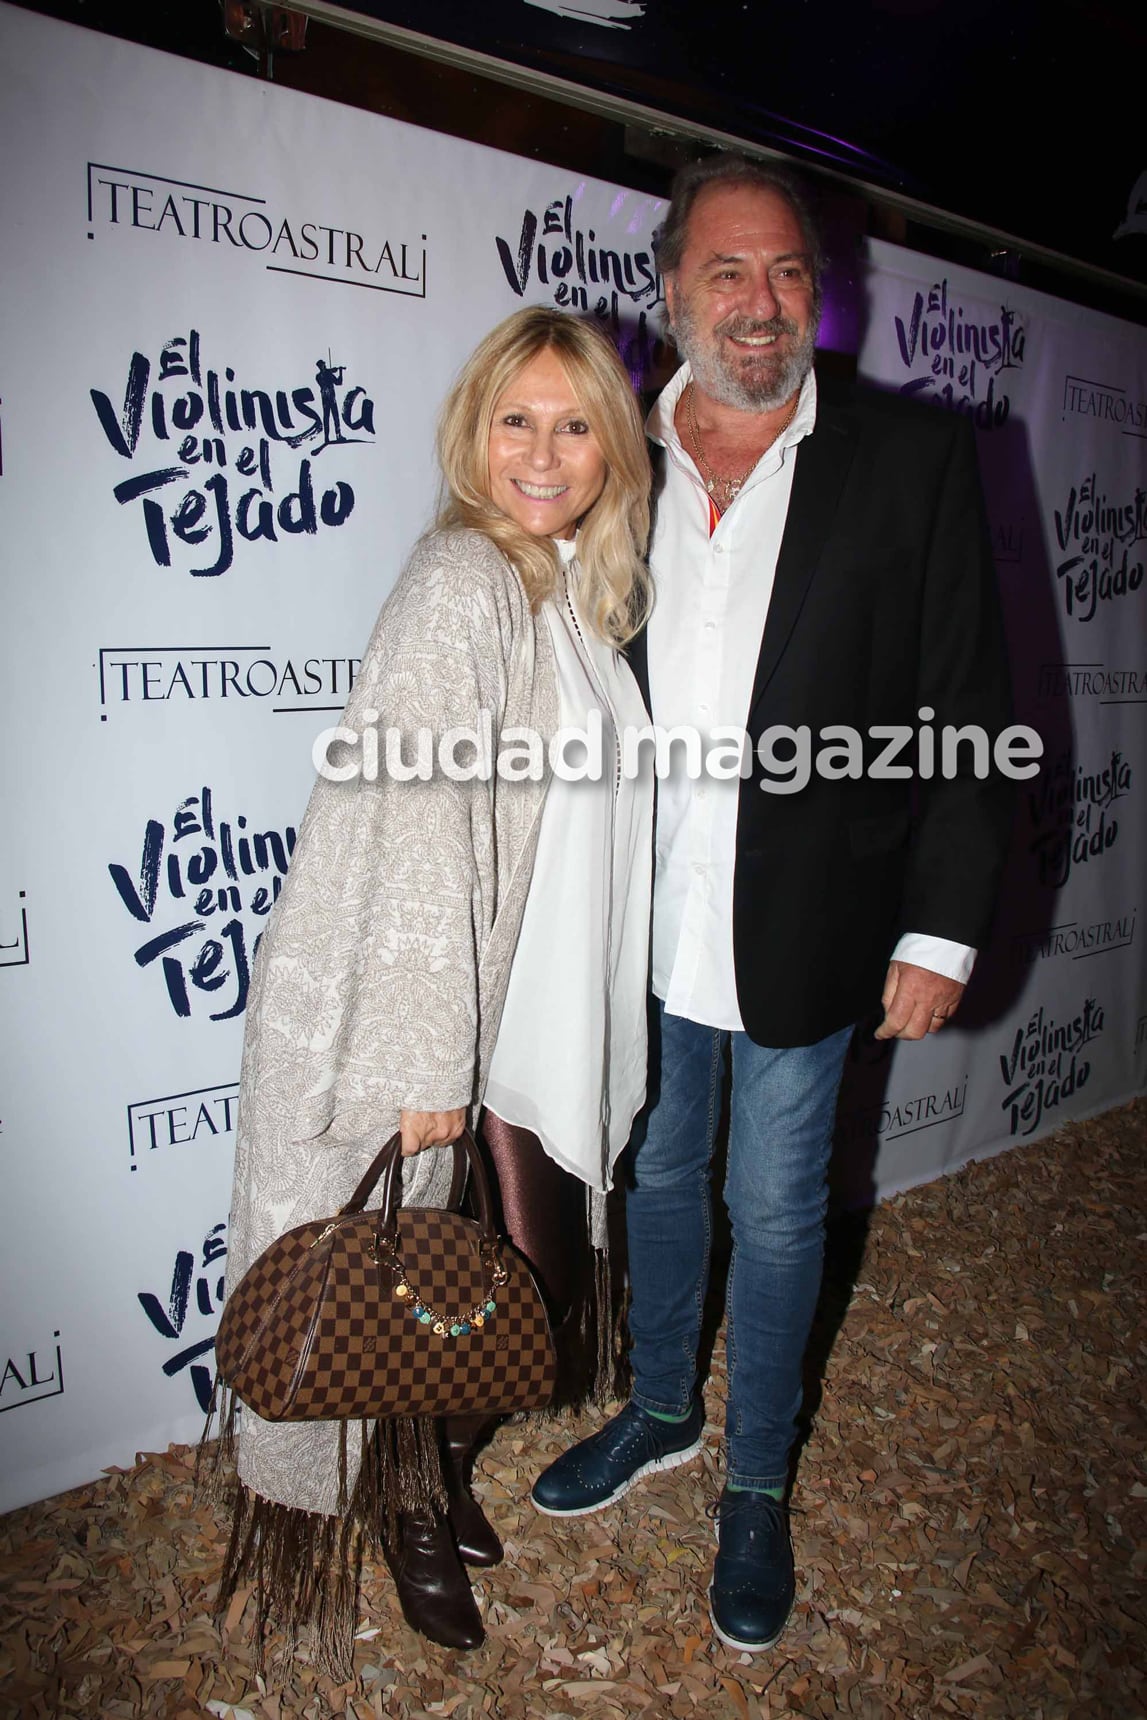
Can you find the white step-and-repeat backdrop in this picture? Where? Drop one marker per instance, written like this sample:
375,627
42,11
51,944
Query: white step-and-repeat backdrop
1054,1024
228,316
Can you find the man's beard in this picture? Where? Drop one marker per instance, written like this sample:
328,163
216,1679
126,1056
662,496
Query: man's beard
757,384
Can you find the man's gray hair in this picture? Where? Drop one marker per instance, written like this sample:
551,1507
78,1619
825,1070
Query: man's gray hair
734,170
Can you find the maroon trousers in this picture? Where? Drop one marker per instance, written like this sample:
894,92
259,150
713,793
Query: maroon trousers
543,1213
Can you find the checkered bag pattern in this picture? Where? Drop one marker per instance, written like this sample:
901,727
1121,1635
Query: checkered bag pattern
315,1331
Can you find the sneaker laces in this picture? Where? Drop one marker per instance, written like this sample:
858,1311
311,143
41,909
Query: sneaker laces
637,1429
747,1498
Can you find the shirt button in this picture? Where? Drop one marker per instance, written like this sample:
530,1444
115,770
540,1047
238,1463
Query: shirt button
718,549
699,869
704,710
710,626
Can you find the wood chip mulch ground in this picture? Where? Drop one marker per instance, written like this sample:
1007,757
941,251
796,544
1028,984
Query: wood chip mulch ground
969,1517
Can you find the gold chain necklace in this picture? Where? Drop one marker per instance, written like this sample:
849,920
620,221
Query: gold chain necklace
713,482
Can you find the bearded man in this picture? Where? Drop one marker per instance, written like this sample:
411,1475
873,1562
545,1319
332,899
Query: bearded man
821,559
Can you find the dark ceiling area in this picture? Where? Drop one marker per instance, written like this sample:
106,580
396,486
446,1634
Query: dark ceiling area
1022,116
1005,137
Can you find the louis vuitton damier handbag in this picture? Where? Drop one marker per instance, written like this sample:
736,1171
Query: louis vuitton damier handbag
401,1311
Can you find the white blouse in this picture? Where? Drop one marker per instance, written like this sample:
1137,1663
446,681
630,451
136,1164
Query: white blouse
569,1063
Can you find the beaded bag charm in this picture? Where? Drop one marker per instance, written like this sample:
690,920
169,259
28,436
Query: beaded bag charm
449,1325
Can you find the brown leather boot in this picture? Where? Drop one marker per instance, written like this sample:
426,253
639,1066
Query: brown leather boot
432,1586
475,1538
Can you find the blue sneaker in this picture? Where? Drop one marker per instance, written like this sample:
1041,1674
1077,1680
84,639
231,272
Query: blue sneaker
598,1470
754,1586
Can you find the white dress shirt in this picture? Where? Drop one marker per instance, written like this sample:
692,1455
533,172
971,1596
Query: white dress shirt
713,594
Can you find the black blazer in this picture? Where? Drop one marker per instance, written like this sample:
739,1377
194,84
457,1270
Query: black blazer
884,602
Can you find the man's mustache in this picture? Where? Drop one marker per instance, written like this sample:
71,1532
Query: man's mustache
742,327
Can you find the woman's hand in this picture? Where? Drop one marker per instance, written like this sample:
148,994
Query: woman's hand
429,1129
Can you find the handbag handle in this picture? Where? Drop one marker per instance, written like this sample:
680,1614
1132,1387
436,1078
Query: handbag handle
387,1164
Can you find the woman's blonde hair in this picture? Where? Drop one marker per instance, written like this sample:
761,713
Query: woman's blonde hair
614,583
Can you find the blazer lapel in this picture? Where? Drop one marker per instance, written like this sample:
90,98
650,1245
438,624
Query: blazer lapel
637,651
823,461
637,656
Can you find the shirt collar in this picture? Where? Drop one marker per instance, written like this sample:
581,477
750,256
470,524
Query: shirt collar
660,426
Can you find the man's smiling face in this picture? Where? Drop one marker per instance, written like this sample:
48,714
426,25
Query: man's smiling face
742,304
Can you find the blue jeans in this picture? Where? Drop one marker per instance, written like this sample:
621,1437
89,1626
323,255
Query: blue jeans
776,1190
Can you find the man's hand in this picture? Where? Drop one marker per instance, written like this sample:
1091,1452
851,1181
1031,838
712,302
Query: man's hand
429,1129
916,1001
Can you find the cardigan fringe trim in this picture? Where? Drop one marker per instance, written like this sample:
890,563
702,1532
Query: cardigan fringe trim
591,1342
305,1568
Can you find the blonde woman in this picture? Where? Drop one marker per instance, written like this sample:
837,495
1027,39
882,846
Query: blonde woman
443,942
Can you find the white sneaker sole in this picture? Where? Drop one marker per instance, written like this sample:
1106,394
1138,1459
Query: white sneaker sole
735,1642
673,1460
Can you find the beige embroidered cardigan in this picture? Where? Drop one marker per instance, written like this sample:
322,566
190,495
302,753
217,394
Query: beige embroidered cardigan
381,976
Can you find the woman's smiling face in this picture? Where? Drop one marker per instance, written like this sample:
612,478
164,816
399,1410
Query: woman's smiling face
546,468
